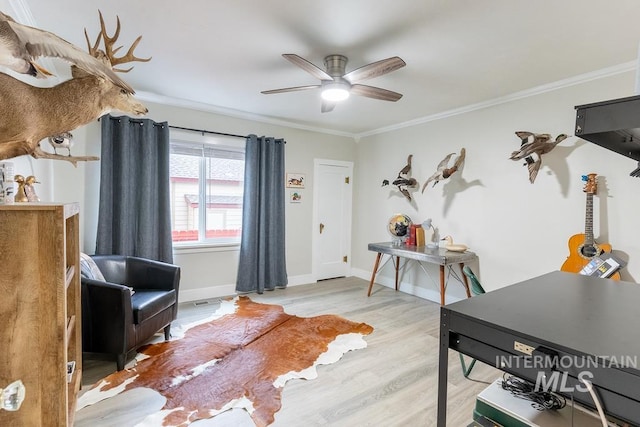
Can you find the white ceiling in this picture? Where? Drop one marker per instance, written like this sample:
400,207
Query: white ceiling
459,53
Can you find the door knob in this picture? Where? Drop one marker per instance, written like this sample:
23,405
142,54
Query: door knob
321,227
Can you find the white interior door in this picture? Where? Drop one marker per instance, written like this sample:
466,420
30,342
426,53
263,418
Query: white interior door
332,218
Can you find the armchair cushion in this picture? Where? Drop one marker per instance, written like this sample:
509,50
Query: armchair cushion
147,304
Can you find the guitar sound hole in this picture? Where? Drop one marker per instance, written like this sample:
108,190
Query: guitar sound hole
589,251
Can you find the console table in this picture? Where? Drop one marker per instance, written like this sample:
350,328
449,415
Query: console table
439,256
558,324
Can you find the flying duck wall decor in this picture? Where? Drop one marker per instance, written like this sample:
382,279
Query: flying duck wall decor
404,180
533,146
443,171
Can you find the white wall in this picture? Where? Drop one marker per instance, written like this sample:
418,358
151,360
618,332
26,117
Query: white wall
519,230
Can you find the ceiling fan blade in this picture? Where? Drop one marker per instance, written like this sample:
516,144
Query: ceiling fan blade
316,72
290,89
374,69
375,93
327,106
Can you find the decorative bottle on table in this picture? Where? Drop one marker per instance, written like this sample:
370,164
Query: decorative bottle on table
411,241
419,235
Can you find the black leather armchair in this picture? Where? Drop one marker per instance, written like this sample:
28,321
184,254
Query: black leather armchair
138,298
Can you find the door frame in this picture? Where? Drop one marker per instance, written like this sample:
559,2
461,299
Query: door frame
315,220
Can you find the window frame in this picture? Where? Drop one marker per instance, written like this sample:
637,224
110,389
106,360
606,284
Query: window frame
204,141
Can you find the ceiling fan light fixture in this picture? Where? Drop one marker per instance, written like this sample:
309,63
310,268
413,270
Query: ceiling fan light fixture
335,92
337,85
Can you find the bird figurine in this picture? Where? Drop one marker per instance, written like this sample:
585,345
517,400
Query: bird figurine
21,196
525,138
404,181
29,190
63,140
450,246
535,145
403,184
443,171
407,169
21,45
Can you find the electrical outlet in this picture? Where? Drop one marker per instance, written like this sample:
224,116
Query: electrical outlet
523,348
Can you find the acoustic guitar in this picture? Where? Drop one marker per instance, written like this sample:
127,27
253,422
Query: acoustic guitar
583,247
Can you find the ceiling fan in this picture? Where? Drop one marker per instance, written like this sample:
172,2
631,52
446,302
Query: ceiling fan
336,85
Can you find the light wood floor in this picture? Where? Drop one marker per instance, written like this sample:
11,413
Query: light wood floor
393,382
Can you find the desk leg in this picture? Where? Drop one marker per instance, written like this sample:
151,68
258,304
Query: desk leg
397,268
442,287
465,280
443,367
373,275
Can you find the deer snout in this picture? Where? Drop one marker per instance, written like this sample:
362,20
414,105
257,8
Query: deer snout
125,102
137,107
141,110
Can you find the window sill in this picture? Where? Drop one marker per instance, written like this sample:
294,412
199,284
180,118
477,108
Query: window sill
195,248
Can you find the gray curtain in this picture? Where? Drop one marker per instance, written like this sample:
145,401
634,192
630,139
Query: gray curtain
262,264
135,215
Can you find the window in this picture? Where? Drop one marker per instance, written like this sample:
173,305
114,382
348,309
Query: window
206,172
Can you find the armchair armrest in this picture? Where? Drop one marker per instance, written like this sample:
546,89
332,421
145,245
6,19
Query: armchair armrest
106,315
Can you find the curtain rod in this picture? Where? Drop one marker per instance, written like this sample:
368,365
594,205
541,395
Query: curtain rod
202,131
181,128
208,131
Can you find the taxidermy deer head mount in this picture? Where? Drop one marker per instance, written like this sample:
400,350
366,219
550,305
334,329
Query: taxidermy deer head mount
31,114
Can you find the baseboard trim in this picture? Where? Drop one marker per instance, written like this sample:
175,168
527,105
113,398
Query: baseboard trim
303,279
219,291
406,287
189,295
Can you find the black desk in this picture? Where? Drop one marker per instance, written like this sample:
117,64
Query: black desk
587,324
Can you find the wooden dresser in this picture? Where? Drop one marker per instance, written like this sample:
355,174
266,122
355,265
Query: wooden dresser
40,317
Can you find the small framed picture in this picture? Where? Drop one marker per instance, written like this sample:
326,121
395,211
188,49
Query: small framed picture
295,197
295,180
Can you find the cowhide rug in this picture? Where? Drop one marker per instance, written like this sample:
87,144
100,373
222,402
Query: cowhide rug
241,357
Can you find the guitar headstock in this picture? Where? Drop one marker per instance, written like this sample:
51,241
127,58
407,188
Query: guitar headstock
590,186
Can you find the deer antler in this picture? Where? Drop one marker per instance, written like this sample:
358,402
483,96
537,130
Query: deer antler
93,50
109,52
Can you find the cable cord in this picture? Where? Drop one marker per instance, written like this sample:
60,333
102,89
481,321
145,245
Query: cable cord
594,396
540,400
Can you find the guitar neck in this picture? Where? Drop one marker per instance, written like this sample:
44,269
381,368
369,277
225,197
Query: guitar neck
588,221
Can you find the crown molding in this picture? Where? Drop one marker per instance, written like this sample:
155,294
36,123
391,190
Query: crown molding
571,81
210,108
